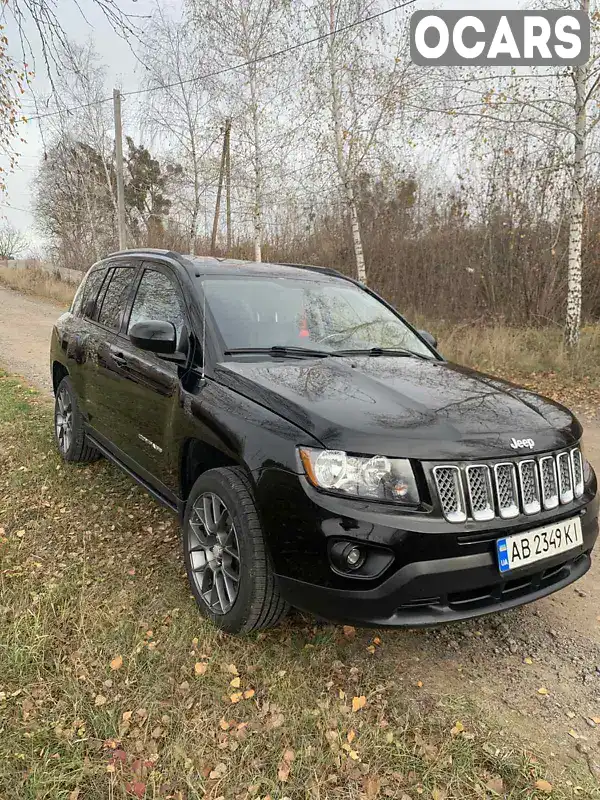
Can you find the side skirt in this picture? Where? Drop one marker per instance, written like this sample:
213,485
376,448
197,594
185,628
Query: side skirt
177,507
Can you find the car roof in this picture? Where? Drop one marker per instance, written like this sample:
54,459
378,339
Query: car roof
211,265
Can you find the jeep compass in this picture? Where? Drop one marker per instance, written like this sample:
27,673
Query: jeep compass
319,451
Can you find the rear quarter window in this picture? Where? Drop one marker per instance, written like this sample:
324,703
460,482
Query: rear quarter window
88,290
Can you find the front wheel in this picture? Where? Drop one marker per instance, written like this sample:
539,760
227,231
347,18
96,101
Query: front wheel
69,431
225,554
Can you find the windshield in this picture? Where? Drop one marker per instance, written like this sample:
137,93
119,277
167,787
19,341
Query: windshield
329,315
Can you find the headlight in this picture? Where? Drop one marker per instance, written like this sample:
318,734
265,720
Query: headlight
376,477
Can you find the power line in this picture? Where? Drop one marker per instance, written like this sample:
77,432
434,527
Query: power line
214,74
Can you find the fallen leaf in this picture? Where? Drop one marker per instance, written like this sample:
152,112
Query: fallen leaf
353,755
99,700
438,794
528,660
74,794
420,684
458,728
248,694
117,662
232,669
235,697
573,734
377,640
235,683
372,786
543,786
20,534
136,788
596,720
351,735
200,668
283,772
127,716
224,725
359,702
371,649
349,631
495,785
542,690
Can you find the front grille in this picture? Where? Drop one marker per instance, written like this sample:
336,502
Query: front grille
508,489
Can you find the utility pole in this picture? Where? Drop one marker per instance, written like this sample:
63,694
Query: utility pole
228,182
213,241
119,168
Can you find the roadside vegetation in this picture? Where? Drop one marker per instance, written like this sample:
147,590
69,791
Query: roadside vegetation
38,283
112,685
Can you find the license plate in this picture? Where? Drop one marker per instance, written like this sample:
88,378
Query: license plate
526,548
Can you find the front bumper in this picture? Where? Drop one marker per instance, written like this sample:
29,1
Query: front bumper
441,572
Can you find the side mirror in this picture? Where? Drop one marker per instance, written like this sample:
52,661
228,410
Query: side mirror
429,338
88,308
154,335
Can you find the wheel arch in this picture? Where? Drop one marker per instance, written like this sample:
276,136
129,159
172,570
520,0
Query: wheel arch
198,457
59,371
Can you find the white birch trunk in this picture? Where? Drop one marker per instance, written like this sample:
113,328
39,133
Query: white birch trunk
257,210
342,166
574,270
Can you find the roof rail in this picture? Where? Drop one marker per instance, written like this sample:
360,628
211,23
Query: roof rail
145,251
325,270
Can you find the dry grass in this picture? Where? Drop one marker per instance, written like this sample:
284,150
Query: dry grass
112,686
38,283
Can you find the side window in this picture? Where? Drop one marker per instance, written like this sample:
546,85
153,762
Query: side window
157,298
88,290
116,297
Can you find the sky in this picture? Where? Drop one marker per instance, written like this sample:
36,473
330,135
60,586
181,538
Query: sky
122,72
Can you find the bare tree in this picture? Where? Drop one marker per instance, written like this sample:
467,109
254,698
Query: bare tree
178,110
12,241
358,80
238,32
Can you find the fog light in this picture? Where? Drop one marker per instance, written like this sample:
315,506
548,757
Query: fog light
354,557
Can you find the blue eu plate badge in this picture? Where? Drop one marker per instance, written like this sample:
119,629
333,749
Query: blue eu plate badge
503,561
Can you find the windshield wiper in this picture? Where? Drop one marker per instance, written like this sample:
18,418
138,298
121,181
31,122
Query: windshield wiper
279,350
382,351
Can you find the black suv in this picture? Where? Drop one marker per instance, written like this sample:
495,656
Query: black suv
319,451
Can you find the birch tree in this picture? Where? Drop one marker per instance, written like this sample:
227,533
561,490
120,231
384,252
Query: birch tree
239,32
177,108
357,78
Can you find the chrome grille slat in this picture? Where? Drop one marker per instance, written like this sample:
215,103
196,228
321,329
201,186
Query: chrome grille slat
481,496
565,479
510,488
549,482
577,466
450,491
530,486
506,490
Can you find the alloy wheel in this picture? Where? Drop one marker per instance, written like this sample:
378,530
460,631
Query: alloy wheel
214,553
64,420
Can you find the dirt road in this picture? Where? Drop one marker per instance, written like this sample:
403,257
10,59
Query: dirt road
501,662
25,327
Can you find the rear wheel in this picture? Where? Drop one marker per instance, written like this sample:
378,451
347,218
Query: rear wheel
225,554
69,431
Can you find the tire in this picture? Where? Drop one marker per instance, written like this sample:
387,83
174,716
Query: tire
252,601
69,431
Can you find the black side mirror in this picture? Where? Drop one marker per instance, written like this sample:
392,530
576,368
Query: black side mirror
88,308
154,335
429,338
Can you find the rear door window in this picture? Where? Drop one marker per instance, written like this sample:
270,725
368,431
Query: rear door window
116,297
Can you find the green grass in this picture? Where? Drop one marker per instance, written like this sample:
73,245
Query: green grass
90,571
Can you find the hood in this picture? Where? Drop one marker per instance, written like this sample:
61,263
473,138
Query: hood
403,406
